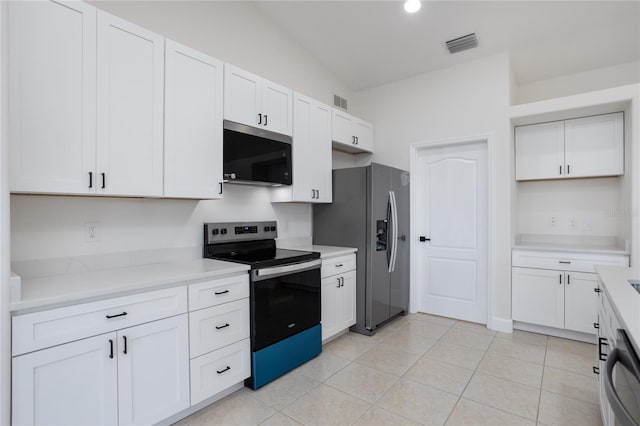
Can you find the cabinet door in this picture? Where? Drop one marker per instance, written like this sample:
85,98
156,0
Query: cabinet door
594,146
277,104
303,188
321,157
580,302
242,97
52,95
71,384
346,301
364,135
330,287
153,370
130,108
540,151
538,296
342,127
193,123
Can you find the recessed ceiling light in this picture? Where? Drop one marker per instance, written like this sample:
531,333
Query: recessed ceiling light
412,6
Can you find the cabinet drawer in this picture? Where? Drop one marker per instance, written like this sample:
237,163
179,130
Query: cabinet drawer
218,326
338,265
215,292
53,327
216,371
566,261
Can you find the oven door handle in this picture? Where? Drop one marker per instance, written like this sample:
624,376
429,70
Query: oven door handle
278,271
622,415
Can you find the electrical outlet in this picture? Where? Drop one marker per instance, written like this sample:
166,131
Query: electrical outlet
92,232
587,224
553,221
572,224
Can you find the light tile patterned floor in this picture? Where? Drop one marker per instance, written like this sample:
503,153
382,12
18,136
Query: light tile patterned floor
422,369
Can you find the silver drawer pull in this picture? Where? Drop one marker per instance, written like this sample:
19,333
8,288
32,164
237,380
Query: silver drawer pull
220,327
117,315
339,265
218,293
565,262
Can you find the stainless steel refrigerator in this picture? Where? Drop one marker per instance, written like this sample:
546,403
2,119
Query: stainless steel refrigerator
370,211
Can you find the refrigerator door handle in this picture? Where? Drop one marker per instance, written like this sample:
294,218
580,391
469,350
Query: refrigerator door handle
394,218
388,241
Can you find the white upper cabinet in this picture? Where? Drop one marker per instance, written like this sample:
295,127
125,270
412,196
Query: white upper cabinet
582,147
193,123
277,108
130,83
594,146
52,97
311,154
350,133
256,102
540,151
243,96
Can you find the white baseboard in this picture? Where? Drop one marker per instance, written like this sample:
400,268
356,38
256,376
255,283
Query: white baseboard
557,332
504,325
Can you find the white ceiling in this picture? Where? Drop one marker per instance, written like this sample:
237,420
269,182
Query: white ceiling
368,43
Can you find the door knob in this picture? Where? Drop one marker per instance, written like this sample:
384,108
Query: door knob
423,239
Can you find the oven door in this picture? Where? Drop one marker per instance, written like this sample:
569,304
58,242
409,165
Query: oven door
622,382
285,300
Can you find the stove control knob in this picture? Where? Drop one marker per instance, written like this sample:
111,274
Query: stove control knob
223,231
266,229
214,231
273,228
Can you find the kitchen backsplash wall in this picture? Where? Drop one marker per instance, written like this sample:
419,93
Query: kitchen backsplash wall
592,207
54,226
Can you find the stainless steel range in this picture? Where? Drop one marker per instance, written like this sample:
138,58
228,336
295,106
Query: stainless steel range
285,296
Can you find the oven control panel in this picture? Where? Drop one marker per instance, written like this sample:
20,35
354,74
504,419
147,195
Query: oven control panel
239,231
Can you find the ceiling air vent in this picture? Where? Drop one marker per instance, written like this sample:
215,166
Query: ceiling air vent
339,102
462,43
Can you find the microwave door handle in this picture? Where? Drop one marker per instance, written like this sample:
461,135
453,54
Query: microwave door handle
622,415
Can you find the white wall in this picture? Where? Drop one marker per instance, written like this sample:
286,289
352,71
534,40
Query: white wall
599,200
464,100
587,81
235,32
5,254
53,226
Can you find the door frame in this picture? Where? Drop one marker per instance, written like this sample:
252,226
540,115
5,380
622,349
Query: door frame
487,139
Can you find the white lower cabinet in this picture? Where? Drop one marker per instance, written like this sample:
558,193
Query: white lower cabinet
131,360
538,297
338,295
219,335
138,375
153,371
556,289
71,384
216,371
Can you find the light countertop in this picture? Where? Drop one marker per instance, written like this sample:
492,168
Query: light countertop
577,244
624,298
327,252
66,289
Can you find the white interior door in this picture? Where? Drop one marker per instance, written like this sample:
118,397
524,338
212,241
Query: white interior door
452,205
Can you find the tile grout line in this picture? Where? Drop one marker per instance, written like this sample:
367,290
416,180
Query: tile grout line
475,370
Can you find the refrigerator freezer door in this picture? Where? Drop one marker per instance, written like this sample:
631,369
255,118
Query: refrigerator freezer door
377,286
399,281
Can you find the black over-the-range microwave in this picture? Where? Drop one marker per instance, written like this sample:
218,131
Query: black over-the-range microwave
256,156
